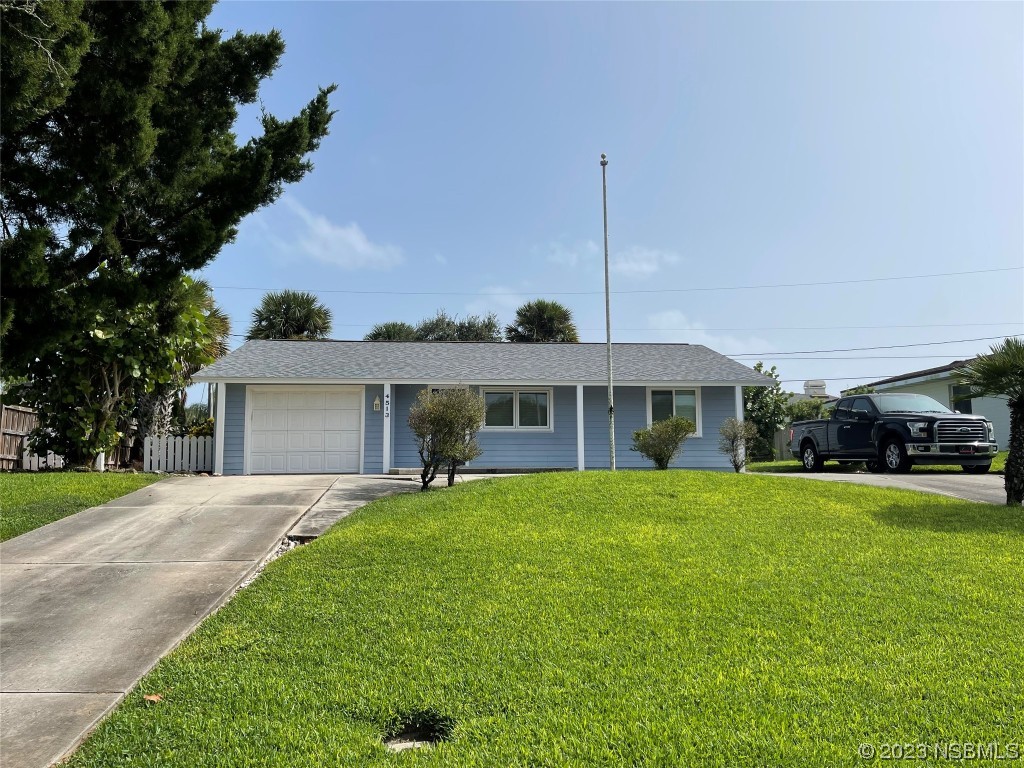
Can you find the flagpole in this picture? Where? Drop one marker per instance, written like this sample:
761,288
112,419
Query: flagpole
608,316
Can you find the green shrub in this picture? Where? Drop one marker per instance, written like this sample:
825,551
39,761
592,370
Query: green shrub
735,439
661,441
445,424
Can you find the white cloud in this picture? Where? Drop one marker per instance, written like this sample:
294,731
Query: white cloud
637,261
675,326
634,261
347,246
582,252
496,298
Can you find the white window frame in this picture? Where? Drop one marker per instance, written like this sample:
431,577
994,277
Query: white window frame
515,408
675,388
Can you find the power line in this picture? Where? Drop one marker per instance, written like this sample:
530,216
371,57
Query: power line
863,349
481,294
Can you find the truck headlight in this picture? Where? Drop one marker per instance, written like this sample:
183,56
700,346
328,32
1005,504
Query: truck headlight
991,431
918,428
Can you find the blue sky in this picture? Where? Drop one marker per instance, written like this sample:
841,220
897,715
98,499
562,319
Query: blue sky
749,144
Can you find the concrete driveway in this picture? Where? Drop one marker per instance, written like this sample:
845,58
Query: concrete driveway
91,602
985,488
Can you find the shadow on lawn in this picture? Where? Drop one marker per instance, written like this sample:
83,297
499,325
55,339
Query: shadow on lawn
966,517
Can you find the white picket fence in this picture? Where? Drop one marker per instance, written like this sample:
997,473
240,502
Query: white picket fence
34,462
177,454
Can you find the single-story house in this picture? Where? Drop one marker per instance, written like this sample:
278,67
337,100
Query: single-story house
343,406
941,384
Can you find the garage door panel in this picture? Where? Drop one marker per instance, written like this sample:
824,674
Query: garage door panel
338,419
270,420
306,420
302,400
341,441
305,441
269,441
341,462
350,400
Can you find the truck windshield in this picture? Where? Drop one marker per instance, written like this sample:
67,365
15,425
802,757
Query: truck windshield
909,404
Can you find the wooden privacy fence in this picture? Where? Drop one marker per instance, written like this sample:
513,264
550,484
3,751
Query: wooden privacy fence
177,454
16,422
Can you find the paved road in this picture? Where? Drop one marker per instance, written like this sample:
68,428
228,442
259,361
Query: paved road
986,488
91,602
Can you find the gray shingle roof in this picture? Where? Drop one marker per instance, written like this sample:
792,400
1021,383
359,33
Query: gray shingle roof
472,362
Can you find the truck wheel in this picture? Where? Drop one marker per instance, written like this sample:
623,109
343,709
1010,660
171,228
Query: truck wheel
894,457
976,469
812,461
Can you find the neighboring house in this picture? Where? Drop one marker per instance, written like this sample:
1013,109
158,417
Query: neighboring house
343,406
940,384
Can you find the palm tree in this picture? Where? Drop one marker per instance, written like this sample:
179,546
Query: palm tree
1002,373
542,320
290,315
391,331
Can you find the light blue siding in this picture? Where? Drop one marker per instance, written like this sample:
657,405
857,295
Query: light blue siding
717,404
373,432
403,444
528,450
234,429
514,449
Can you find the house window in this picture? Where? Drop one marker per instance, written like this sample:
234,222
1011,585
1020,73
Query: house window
665,403
517,409
960,398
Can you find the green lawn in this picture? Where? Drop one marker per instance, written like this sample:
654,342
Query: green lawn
792,465
645,618
31,499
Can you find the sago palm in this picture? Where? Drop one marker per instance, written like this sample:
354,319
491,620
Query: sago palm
1002,373
290,315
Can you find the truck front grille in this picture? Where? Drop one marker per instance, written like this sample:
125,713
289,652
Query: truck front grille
960,431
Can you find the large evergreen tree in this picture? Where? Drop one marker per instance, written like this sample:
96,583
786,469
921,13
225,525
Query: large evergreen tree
118,151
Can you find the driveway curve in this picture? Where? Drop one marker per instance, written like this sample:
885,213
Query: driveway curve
91,602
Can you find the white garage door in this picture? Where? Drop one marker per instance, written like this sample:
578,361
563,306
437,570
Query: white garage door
305,430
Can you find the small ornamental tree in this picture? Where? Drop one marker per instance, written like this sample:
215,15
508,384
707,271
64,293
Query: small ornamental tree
445,424
661,441
735,440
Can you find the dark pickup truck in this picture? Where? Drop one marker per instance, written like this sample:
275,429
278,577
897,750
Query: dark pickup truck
892,432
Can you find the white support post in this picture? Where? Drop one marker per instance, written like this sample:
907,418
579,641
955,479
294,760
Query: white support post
739,418
218,430
386,465
581,453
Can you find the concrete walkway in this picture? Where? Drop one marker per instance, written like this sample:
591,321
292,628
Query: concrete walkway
984,488
91,602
